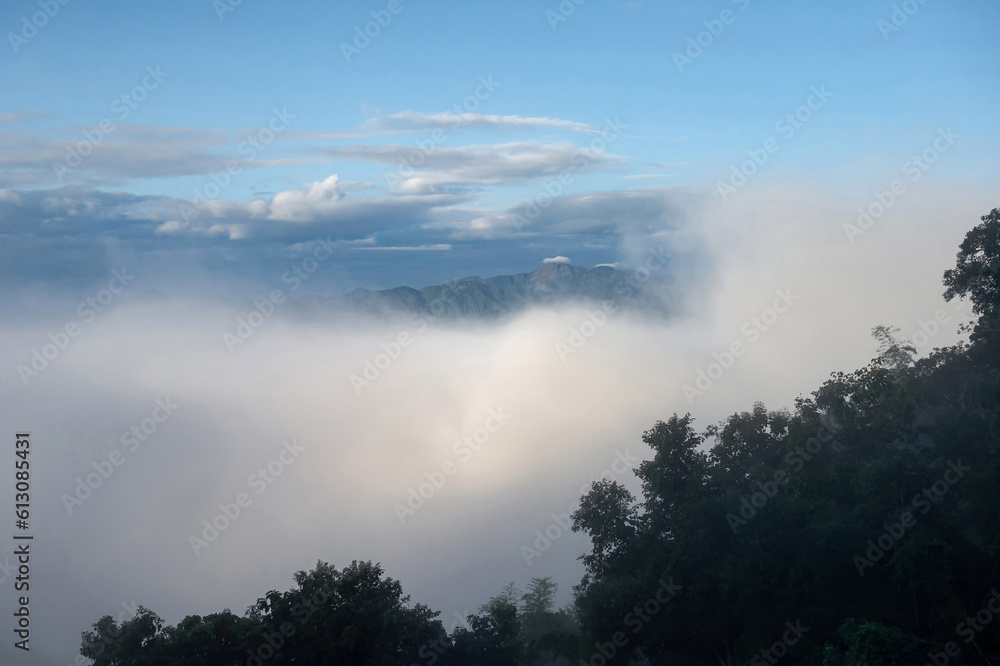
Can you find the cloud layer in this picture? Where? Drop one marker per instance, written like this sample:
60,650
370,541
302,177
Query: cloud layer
378,417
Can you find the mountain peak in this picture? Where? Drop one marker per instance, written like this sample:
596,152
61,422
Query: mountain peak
554,271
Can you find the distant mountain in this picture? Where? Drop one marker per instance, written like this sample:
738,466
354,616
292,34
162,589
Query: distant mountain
495,297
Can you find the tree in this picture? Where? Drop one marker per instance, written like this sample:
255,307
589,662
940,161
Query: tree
892,353
352,616
495,635
976,274
539,598
114,644
876,498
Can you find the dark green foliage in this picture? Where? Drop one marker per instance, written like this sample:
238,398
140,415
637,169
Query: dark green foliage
494,637
877,498
353,616
977,273
125,644
874,643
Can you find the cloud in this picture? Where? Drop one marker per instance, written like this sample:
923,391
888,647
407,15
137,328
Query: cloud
364,452
320,202
317,199
443,168
52,235
23,116
669,165
356,186
621,212
93,156
417,248
556,260
255,238
411,120
81,216
75,235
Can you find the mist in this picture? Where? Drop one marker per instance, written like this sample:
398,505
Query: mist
444,451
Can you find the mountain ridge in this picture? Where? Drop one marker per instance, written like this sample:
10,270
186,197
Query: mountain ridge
497,296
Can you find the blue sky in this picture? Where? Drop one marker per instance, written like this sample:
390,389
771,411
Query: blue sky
555,85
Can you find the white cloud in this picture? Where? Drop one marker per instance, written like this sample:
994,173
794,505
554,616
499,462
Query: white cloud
304,204
296,205
668,165
433,170
22,116
413,248
171,227
411,120
124,152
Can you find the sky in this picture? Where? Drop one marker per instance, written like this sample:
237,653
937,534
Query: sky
174,161
619,97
